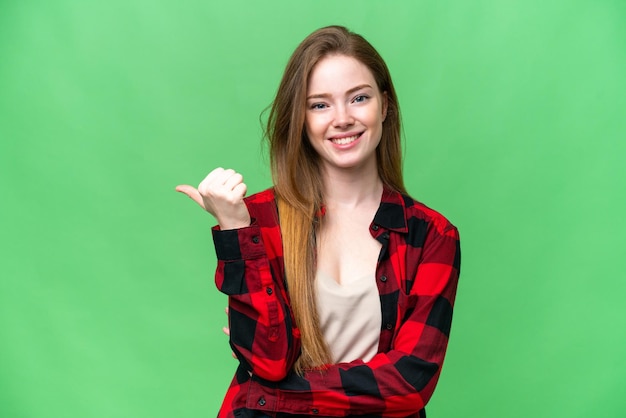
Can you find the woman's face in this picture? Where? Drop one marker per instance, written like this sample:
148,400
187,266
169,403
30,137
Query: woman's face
344,113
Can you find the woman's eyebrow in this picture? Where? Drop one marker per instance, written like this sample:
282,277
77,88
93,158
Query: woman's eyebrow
352,90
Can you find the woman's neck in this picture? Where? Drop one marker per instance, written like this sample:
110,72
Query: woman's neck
349,189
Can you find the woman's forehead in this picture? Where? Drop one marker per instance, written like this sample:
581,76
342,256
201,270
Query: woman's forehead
339,74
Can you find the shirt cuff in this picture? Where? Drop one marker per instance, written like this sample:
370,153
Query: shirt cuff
238,244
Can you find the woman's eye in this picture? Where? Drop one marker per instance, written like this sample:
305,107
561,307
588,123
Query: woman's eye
361,98
317,106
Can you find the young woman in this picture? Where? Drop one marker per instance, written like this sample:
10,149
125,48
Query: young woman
340,285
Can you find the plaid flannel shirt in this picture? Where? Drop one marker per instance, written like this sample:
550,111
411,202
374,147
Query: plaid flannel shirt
417,274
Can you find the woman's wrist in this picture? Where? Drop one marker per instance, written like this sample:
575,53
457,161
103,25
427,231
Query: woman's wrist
226,224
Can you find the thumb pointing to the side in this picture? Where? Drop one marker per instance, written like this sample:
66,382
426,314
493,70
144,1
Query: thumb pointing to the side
192,192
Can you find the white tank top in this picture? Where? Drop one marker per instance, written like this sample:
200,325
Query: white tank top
350,316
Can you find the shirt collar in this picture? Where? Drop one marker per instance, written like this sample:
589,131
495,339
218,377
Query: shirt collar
391,213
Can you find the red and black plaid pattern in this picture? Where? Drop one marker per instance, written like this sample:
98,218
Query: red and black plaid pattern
417,276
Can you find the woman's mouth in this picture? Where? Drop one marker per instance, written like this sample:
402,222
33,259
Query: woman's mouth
345,140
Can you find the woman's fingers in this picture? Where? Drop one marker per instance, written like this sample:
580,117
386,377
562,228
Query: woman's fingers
233,180
226,331
220,183
214,174
240,189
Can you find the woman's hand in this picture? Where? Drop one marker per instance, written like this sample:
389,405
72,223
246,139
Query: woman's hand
226,330
221,194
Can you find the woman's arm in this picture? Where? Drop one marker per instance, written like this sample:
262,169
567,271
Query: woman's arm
247,243
262,333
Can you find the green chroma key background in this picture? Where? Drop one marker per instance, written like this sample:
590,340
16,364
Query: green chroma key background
514,125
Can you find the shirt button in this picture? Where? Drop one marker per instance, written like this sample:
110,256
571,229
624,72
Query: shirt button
383,278
261,401
315,411
375,227
255,239
389,326
269,290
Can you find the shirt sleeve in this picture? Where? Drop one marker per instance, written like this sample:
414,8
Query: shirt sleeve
262,333
396,383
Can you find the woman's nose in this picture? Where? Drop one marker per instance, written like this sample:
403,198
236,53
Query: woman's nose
342,117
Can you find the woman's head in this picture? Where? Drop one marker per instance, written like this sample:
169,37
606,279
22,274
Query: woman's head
295,164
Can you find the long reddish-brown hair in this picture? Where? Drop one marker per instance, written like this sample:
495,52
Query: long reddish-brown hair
297,176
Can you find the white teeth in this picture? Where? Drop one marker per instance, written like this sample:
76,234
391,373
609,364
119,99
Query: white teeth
345,141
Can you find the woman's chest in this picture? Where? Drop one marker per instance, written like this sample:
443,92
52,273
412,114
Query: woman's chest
347,251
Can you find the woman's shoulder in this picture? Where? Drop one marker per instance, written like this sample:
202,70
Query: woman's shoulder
416,210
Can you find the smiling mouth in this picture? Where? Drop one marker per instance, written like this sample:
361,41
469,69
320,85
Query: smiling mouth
345,141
